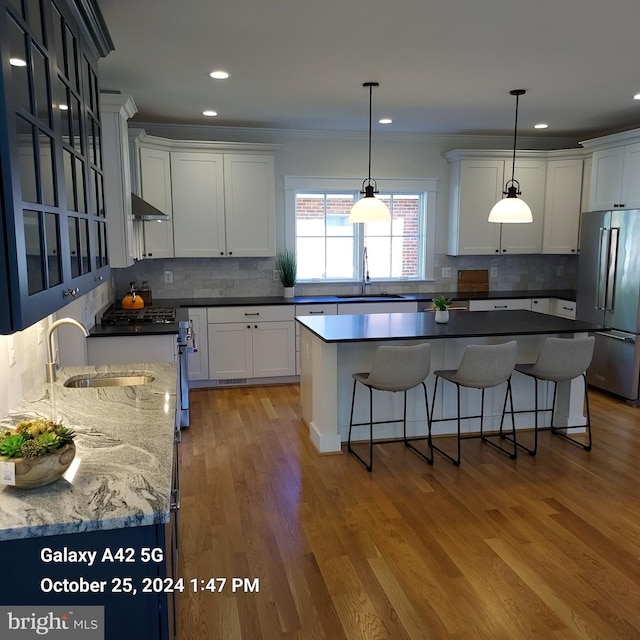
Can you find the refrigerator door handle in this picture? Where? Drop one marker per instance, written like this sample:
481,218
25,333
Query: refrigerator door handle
603,260
611,268
615,336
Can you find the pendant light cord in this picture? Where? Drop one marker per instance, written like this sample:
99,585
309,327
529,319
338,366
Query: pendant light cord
370,119
515,134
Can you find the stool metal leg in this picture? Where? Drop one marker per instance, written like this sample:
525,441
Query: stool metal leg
456,460
368,465
512,454
536,410
407,442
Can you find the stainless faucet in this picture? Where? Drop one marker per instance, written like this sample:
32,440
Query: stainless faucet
366,280
52,365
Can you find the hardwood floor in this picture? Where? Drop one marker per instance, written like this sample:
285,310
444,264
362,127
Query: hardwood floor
541,548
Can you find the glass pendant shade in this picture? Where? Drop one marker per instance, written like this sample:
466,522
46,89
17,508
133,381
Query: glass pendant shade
511,209
369,209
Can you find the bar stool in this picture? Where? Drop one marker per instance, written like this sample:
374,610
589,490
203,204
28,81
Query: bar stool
560,360
394,369
482,367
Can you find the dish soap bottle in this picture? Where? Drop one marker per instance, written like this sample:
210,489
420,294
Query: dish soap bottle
132,300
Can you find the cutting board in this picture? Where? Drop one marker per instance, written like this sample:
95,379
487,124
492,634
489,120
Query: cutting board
473,280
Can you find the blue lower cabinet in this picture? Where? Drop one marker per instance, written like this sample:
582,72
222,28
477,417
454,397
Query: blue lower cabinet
122,570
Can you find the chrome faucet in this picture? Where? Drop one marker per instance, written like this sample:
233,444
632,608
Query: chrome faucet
52,365
366,280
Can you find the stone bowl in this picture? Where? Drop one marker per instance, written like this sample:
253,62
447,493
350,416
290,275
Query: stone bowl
42,470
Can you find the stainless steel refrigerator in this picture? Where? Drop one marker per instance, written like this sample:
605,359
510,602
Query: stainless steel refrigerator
609,293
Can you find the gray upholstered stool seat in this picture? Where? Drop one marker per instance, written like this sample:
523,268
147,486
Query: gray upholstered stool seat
394,369
560,360
482,367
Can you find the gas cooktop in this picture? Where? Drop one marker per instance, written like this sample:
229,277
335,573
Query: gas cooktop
152,315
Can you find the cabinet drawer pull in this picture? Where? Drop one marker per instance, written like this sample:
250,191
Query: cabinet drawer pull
252,314
568,308
175,500
312,312
500,306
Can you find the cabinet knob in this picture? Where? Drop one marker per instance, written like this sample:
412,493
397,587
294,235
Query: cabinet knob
497,250
248,326
149,254
504,251
222,253
573,250
230,253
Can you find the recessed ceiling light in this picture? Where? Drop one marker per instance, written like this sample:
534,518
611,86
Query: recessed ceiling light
219,74
542,125
385,121
209,113
637,96
17,62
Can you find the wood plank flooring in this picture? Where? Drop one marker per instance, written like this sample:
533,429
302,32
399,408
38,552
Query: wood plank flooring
541,548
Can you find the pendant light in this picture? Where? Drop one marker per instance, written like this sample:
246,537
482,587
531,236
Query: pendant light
512,209
369,208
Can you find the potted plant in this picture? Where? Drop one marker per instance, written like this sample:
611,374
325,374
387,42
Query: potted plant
441,305
287,270
40,450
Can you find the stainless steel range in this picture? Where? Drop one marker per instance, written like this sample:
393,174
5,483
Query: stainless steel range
185,340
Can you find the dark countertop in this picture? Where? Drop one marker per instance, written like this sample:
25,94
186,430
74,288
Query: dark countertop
462,324
564,294
182,304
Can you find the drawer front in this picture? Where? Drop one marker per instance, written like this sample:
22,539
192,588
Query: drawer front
500,305
566,309
271,313
315,310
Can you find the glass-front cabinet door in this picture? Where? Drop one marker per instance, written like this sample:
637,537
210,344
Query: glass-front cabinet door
53,215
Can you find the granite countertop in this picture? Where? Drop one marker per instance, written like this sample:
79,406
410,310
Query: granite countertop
564,294
462,324
124,443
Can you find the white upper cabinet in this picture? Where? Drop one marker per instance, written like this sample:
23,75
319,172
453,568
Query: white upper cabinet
155,188
527,237
249,198
476,185
197,183
563,201
115,110
615,175
223,204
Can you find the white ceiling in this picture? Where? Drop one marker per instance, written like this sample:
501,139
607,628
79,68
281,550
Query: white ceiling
444,66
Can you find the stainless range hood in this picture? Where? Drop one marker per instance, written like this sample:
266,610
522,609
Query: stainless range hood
142,210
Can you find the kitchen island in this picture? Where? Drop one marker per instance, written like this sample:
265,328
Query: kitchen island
114,500
335,347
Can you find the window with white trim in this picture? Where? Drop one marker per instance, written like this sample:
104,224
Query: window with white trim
329,248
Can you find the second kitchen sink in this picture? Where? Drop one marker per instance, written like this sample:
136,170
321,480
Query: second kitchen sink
372,296
108,380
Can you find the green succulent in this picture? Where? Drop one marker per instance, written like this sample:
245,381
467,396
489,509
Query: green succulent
49,440
11,445
441,303
65,435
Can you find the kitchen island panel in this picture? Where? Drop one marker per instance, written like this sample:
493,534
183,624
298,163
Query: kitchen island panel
335,347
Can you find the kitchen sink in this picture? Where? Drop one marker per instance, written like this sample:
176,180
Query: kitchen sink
108,380
372,296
